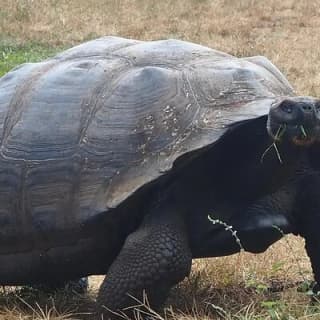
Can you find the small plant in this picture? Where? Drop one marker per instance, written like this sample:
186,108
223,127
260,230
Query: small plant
258,286
229,229
276,310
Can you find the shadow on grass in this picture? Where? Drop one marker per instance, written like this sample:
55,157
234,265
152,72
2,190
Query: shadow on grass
29,303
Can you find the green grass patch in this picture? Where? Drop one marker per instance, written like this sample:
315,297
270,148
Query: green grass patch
12,54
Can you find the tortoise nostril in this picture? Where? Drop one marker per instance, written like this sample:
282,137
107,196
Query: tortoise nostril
306,108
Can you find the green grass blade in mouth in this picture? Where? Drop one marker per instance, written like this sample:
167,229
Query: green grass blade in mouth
303,132
277,152
265,153
273,145
281,130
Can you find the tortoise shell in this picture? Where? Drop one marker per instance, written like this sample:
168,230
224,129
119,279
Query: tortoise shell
82,131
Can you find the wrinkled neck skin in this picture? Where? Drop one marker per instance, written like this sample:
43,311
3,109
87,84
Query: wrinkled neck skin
241,166
230,176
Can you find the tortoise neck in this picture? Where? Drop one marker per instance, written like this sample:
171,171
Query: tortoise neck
242,165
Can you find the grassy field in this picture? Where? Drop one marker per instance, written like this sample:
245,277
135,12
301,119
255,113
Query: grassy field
265,286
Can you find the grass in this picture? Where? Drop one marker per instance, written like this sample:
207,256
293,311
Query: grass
13,54
268,286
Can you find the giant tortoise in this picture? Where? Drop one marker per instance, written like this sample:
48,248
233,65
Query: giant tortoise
130,158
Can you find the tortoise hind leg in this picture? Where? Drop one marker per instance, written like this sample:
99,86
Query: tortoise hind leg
153,259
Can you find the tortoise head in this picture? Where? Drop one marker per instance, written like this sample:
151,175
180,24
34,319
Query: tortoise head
295,120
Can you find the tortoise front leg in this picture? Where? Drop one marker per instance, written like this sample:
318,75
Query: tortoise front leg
153,259
312,245
309,222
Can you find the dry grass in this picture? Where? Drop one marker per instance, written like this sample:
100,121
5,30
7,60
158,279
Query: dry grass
242,286
285,31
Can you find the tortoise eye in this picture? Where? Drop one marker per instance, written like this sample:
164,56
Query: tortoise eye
286,106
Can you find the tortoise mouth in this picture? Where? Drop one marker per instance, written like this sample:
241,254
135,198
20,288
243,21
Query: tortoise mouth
299,134
303,141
